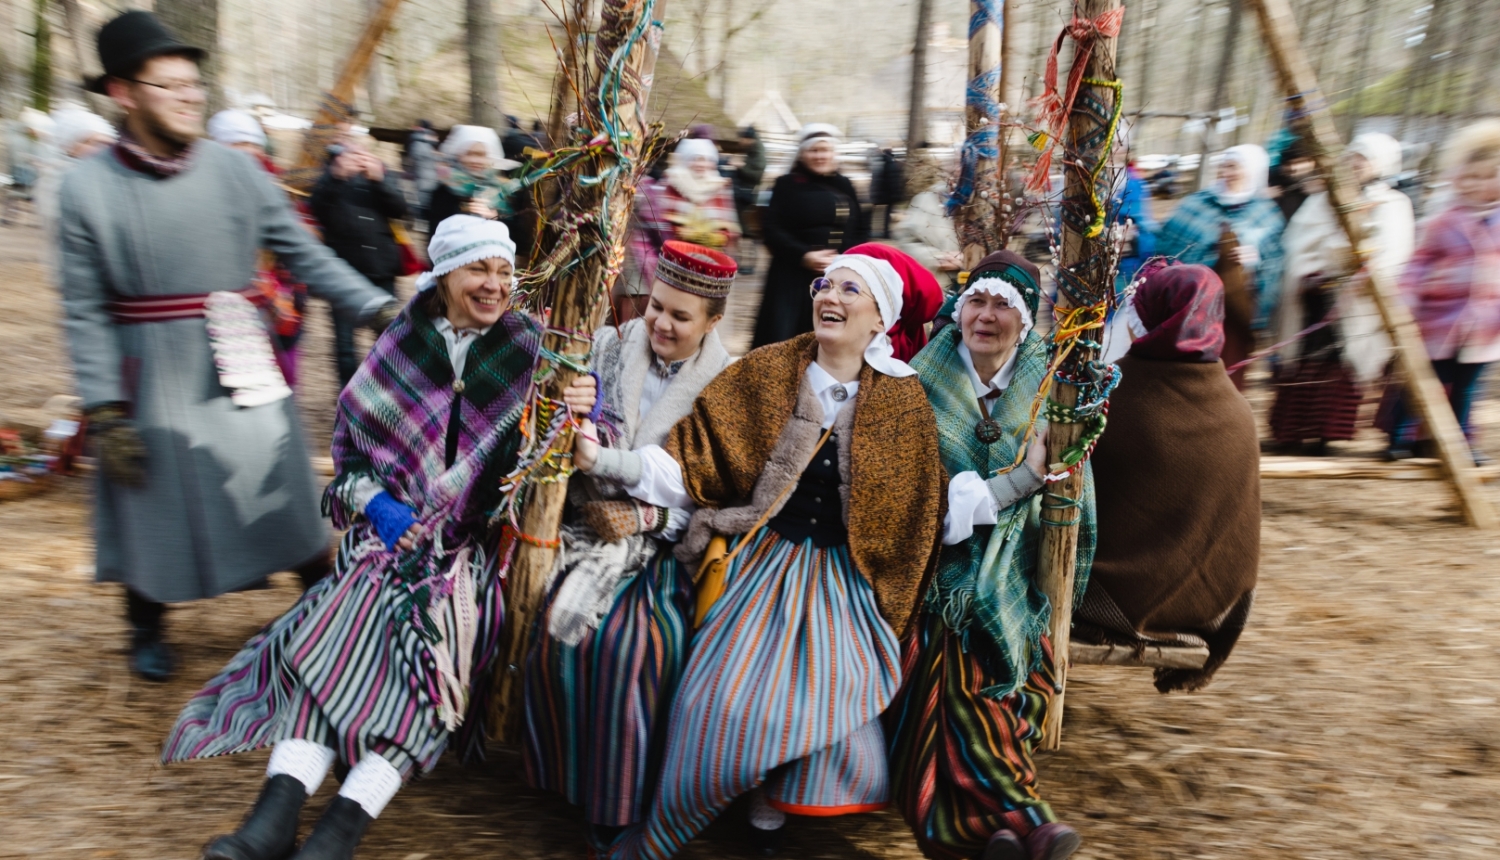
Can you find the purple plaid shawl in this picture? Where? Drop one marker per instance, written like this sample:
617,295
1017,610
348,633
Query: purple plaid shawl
394,421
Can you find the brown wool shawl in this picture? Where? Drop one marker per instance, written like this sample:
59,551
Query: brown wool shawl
1178,482
752,431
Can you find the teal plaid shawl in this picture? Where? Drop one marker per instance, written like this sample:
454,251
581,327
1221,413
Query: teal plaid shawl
985,587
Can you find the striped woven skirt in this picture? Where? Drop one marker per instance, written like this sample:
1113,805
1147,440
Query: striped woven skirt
596,712
961,764
1315,399
342,668
783,688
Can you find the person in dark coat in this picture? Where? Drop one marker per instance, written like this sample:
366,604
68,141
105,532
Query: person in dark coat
814,215
354,204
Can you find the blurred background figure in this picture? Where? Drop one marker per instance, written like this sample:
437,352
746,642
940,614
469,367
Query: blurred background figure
470,180
1293,175
1453,285
420,161
354,203
26,144
887,189
693,203
926,233
1321,376
813,216
1234,229
1132,214
77,134
285,299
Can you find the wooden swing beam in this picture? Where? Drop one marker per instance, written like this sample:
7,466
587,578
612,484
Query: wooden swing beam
1279,26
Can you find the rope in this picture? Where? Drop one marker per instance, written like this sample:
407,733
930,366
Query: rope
1053,108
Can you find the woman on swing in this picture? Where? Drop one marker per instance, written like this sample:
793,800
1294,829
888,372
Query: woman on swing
818,458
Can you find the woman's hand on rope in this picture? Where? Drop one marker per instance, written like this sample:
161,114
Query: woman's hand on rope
581,394
1036,454
586,446
477,207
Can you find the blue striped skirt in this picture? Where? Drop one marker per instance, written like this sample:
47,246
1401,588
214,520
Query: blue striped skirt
343,669
783,688
596,712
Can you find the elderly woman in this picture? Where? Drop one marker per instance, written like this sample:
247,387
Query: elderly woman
601,676
818,458
379,664
977,663
1234,216
469,180
1321,378
691,203
77,134
1453,284
813,216
1180,458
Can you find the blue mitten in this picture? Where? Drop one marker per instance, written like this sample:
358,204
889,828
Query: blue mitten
598,409
390,518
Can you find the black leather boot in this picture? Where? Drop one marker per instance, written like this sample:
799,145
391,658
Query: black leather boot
270,830
338,832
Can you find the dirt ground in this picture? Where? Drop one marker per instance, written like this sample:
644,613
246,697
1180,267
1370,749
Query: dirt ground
1356,718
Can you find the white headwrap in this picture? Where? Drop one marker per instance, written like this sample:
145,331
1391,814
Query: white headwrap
690,148
72,124
1381,150
462,239
461,139
994,285
1257,166
680,175
236,126
887,286
815,131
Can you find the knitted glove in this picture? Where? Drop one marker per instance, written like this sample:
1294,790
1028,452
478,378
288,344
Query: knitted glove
1014,485
121,451
614,521
390,518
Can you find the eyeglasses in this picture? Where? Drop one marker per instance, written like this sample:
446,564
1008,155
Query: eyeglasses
181,89
847,291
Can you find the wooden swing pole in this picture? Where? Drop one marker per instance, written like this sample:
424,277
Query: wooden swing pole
1279,26
977,219
1084,145
579,305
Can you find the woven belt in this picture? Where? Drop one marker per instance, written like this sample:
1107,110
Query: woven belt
187,306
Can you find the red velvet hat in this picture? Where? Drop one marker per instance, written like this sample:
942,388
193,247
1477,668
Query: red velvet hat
696,269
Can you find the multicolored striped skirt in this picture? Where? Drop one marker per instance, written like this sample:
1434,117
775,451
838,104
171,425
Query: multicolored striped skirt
596,711
1315,399
961,765
784,688
341,668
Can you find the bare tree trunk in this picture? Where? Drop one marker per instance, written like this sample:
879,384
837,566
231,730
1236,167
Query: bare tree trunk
1221,85
916,123
41,58
484,63
196,22
1355,113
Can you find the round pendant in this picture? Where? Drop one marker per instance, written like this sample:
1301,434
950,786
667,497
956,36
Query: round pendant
988,431
840,394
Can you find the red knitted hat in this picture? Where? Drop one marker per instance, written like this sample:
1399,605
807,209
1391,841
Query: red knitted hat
696,269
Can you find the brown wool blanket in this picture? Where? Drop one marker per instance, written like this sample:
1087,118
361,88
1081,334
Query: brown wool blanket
1178,481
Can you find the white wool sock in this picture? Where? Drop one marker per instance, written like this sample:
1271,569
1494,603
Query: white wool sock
764,816
306,761
372,784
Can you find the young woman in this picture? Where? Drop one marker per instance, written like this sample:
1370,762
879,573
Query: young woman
381,663
977,662
601,675
1237,202
1453,284
827,439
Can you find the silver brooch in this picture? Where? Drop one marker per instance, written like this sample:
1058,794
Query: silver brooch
840,394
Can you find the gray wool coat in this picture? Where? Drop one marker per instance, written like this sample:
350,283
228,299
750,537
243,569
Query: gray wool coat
230,495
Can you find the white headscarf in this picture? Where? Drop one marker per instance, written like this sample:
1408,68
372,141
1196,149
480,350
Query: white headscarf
1257,166
995,285
1381,150
73,124
236,126
887,287
462,239
461,139
680,175
815,131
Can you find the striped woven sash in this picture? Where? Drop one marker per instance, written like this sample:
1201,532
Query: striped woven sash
132,310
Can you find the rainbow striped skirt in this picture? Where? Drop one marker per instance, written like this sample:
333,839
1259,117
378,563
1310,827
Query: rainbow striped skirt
783,689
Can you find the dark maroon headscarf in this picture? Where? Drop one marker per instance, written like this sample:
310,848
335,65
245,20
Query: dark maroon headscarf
1182,309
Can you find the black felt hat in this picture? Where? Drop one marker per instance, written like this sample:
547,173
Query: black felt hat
132,39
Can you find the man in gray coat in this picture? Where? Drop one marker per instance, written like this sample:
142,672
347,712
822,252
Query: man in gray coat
198,495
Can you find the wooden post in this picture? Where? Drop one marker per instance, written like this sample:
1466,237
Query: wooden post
1220,95
579,303
978,198
1425,392
916,113
337,105
1083,262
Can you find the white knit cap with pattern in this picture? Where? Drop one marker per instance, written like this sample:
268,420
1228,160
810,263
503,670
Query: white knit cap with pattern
236,126
888,288
462,239
692,148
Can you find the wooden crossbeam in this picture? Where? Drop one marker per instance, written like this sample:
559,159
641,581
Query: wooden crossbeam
1147,657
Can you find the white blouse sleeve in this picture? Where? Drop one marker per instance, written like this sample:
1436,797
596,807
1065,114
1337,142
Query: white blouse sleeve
970,504
649,474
